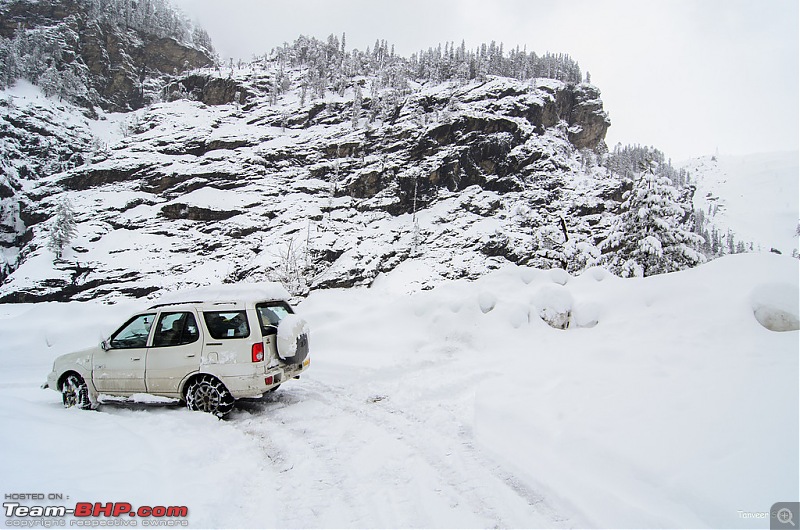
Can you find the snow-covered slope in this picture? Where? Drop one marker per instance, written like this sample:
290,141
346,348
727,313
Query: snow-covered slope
462,176
105,54
755,197
665,404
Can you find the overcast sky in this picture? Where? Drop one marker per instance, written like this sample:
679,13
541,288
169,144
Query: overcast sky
686,76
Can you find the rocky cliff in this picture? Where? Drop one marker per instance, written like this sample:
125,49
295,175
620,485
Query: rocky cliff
459,177
311,165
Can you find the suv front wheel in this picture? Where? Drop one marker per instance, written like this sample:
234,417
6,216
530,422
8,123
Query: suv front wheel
207,394
74,392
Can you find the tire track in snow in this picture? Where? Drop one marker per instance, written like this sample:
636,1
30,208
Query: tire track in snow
311,485
331,429
477,464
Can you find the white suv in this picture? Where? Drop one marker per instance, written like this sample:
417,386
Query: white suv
209,346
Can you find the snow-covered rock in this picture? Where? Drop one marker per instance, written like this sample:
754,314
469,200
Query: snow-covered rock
554,305
462,177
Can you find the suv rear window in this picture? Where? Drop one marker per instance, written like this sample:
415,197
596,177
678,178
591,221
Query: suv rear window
270,314
227,324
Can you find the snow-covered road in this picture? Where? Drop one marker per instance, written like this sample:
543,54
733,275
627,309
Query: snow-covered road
361,459
312,454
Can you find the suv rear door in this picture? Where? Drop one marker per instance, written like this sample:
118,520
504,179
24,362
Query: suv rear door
175,352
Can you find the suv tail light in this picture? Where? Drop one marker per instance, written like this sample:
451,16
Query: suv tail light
258,352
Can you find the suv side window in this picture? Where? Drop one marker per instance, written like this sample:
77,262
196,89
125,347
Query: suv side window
227,324
175,329
134,333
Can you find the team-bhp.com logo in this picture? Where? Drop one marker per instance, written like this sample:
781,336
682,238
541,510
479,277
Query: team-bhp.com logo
88,514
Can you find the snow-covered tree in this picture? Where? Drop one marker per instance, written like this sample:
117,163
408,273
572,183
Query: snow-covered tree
5,268
375,102
63,228
358,100
652,235
294,268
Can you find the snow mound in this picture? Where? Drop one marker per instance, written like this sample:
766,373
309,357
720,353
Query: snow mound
234,292
487,301
554,305
585,315
559,276
596,273
775,306
518,315
527,274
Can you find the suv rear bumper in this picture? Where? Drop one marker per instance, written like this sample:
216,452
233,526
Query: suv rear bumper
294,370
252,385
255,385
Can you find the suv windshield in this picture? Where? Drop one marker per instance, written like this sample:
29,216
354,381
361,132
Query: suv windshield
270,314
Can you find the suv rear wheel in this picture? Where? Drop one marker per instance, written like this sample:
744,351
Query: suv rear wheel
207,394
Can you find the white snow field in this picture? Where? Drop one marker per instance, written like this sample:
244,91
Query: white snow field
666,403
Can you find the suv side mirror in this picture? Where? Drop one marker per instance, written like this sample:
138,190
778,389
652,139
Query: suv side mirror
105,345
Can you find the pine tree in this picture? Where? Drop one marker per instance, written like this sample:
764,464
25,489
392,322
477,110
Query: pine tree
63,228
649,237
5,268
731,244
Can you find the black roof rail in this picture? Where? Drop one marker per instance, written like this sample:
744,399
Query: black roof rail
175,303
156,306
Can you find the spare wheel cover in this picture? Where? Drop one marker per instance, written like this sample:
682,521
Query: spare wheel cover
293,339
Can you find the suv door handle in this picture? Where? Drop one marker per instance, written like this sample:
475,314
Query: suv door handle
136,358
191,355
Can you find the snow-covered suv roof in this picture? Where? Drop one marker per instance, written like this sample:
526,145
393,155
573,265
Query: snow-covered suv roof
238,292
